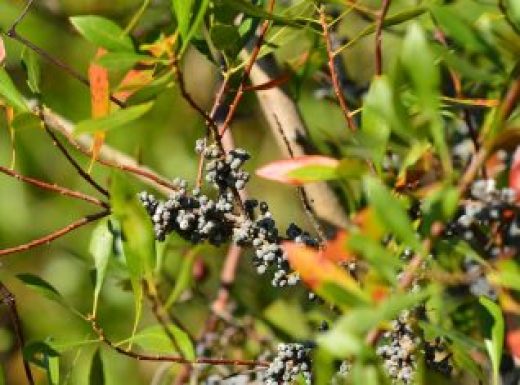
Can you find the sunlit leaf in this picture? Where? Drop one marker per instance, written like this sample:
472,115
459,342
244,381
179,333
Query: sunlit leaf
300,170
32,66
10,93
114,120
494,345
391,213
101,244
102,32
154,338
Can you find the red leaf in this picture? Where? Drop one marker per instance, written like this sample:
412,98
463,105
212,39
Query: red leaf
513,341
514,174
281,170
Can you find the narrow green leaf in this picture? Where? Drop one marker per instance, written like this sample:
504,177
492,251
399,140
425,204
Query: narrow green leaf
42,287
495,345
289,317
122,61
314,173
44,356
183,10
32,66
199,17
97,373
101,244
102,32
391,213
138,237
377,117
26,121
10,93
184,277
114,120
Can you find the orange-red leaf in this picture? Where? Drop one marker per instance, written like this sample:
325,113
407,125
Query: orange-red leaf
285,171
133,81
514,174
336,249
513,342
99,98
316,270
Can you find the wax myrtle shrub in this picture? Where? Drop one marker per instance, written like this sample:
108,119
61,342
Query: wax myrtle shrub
286,192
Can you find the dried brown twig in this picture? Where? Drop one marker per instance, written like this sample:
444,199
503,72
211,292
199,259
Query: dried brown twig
378,36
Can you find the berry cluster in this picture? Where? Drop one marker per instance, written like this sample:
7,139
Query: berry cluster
194,217
224,170
489,207
291,360
398,353
198,218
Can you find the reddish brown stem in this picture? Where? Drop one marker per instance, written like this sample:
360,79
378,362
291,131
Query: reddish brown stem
53,187
378,36
55,235
175,359
9,299
335,82
245,75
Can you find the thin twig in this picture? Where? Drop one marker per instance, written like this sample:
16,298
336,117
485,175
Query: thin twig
13,34
301,192
21,16
57,234
108,156
335,82
137,16
245,75
71,160
378,36
164,358
9,299
53,187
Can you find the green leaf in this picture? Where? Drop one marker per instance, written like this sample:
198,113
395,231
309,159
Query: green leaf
377,117
114,120
44,356
289,317
380,259
224,36
184,277
513,10
391,213
32,66
101,244
138,237
183,12
97,373
425,78
102,32
122,61
10,93
26,121
42,287
314,173
154,338
495,345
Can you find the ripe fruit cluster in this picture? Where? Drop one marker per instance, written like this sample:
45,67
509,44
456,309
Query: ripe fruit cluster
199,218
291,361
